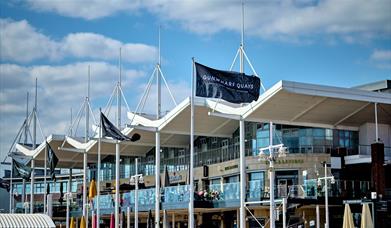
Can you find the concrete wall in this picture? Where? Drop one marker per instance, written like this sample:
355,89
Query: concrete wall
367,136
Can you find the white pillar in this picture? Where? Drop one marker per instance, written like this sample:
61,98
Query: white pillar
32,187
243,178
44,182
136,197
157,181
68,196
317,217
11,188
376,125
117,164
24,195
326,197
164,219
98,175
84,183
191,178
271,175
284,204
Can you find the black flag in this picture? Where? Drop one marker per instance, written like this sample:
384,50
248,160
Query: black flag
109,130
5,184
20,169
52,160
166,181
230,86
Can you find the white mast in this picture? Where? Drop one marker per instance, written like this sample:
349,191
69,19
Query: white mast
191,188
117,146
34,146
98,172
271,175
157,141
86,136
243,178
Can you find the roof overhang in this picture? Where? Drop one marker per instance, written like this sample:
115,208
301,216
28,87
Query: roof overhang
67,158
322,106
177,122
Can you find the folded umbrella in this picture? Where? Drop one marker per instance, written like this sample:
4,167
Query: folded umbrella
92,190
347,218
366,218
112,221
72,224
82,222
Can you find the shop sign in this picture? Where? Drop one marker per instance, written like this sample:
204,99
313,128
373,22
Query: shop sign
231,167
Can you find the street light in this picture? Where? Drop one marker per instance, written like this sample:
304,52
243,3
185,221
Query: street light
326,196
281,151
135,180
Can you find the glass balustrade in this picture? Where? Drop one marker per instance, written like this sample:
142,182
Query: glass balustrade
176,194
255,190
227,191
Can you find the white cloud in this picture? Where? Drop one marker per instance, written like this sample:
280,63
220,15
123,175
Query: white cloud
381,55
59,89
381,58
280,19
285,20
23,43
96,46
87,9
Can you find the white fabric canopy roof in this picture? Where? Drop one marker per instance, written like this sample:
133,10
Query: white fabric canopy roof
285,103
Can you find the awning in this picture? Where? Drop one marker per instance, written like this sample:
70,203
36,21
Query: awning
323,106
68,159
25,220
177,121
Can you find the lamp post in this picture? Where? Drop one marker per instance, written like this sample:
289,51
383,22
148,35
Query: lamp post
272,157
134,180
326,194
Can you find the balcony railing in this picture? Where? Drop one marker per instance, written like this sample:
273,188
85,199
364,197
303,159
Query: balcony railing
366,150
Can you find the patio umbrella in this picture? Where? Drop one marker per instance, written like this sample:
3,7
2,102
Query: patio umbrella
347,218
366,218
82,222
72,224
112,221
92,190
94,221
150,220
61,199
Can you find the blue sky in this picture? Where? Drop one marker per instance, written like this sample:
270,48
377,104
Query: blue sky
332,42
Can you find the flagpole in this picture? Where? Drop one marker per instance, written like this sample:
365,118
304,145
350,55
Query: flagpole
243,178
68,196
11,187
157,141
136,196
25,142
271,175
85,141
117,147
44,180
191,203
98,175
34,146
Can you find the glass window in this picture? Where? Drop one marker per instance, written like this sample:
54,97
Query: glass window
215,181
256,176
232,179
318,132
